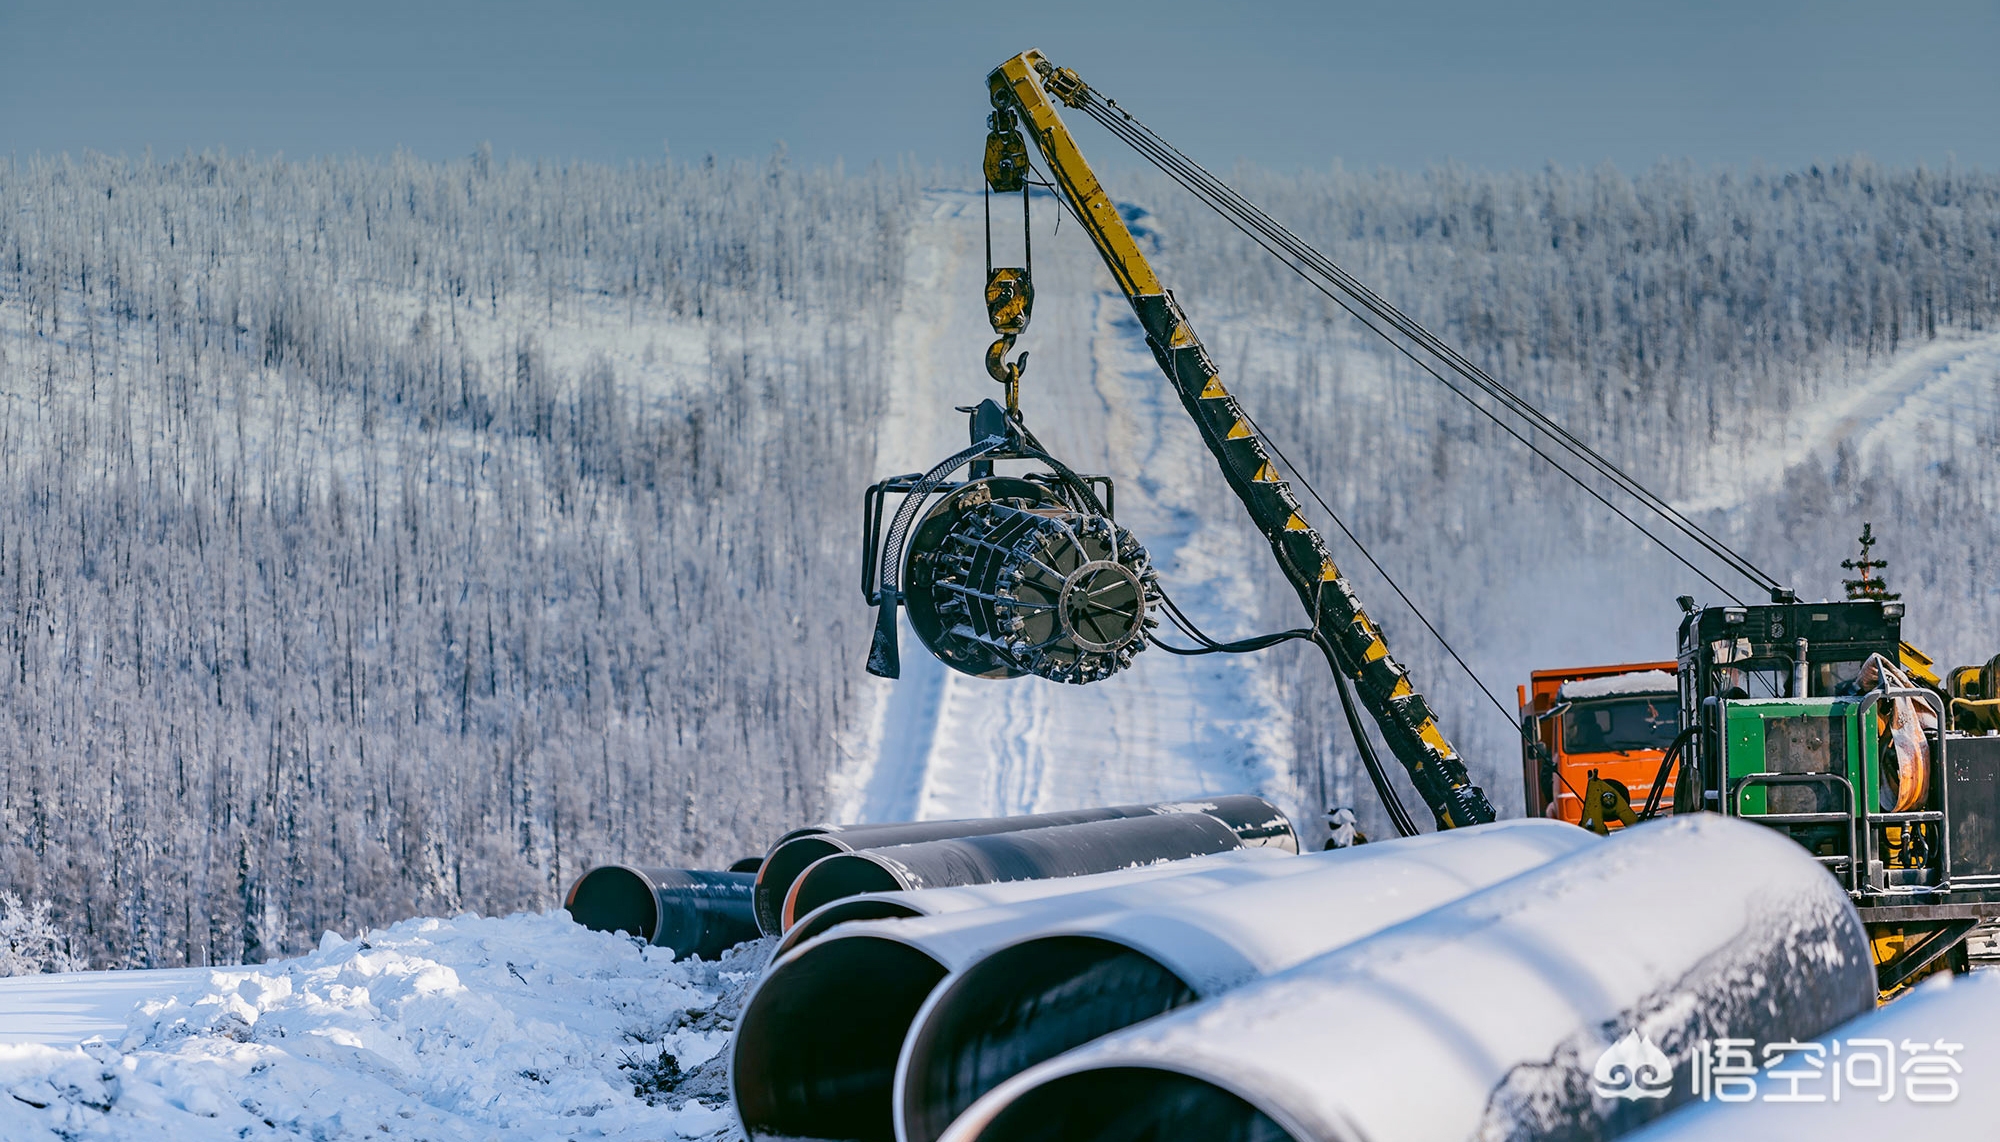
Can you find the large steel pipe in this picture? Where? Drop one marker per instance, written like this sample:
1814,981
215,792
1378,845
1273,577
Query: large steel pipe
1031,854
693,911
1017,1004
1486,1018
816,1047
966,897
1256,820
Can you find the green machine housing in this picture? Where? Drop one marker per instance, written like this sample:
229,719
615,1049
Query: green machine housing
1785,735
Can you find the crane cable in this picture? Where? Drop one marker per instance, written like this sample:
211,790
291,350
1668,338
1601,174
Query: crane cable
1302,259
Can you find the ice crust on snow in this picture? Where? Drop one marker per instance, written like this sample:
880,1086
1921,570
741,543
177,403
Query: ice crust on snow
1617,685
528,1027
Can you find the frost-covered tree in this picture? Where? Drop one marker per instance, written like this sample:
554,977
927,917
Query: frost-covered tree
390,537
30,942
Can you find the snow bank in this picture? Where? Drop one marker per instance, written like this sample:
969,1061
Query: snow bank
529,1027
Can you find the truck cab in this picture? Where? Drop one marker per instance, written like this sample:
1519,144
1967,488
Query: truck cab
1612,721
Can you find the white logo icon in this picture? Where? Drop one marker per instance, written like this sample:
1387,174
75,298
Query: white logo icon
1632,1068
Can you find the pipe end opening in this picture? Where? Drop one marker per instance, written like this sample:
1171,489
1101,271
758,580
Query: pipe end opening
836,878
1139,1104
1020,1006
613,898
815,1050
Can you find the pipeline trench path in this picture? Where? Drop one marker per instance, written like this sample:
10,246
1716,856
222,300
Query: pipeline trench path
935,744
1916,407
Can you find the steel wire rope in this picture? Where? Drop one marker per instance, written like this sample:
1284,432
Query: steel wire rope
1305,261
1382,571
1467,397
1371,761
1185,171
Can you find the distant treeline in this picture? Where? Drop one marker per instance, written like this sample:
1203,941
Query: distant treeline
330,593
318,610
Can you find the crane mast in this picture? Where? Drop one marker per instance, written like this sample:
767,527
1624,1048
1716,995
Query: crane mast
1028,86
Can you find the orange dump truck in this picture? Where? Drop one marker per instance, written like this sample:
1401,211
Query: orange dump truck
1615,720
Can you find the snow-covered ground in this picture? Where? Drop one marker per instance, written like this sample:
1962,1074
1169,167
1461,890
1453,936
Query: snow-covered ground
528,1027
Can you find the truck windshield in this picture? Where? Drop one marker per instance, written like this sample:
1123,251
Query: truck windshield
1614,725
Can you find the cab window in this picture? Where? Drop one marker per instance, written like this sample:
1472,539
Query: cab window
1616,725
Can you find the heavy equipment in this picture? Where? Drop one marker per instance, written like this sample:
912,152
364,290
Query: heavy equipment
1817,720
1592,733
1800,720
1765,715
1009,575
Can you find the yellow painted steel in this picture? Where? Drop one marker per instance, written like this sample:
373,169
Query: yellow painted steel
1079,183
1411,731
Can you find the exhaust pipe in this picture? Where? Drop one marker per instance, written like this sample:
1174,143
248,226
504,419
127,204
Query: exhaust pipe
693,911
1563,1003
966,897
1943,1091
1256,820
1017,1004
1031,854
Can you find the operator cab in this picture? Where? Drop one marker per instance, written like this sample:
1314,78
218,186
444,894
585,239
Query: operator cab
1610,722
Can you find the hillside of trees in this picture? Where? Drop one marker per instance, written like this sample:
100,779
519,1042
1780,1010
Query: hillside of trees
386,537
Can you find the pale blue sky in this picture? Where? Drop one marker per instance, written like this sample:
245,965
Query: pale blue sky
1287,84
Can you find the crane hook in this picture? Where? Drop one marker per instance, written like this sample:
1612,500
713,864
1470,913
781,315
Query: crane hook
1007,372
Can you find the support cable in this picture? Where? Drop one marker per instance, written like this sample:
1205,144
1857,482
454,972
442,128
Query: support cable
1310,264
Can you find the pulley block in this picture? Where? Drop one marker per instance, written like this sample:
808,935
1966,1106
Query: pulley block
1005,578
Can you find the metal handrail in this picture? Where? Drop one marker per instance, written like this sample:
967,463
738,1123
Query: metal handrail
1870,821
1839,781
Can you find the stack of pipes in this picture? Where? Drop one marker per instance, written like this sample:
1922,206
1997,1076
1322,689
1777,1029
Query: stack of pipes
1523,979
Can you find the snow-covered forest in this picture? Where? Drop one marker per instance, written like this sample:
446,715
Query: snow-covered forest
383,537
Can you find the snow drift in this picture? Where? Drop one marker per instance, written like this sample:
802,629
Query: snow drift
529,1027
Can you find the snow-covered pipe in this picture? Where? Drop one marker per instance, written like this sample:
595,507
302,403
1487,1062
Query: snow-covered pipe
965,897
1031,854
1016,1004
1487,1017
693,911
816,1047
1946,1089
814,1054
1256,820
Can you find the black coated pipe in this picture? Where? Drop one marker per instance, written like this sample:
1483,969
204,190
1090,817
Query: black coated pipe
695,912
1255,820
1030,854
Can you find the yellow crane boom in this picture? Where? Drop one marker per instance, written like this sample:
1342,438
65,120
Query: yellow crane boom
1030,86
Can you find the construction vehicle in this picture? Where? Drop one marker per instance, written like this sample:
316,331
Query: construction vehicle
1777,713
1816,720
1594,732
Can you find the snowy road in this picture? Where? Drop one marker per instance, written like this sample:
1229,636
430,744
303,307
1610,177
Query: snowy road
944,745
